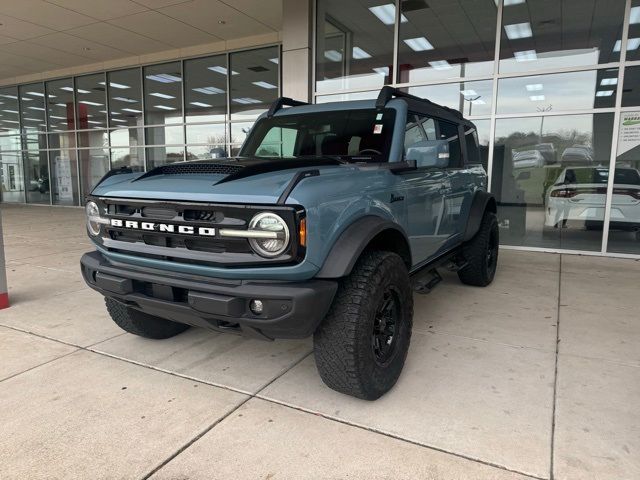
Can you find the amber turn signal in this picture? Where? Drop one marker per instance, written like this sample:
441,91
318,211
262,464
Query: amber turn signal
302,233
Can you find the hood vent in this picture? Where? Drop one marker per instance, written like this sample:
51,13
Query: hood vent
194,168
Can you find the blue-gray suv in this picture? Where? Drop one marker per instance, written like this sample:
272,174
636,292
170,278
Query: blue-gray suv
325,224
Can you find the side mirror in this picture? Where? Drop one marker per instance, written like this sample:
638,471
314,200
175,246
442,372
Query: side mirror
429,154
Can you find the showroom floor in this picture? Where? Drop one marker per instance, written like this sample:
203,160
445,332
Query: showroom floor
536,376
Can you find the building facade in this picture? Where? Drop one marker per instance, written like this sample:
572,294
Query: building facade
552,85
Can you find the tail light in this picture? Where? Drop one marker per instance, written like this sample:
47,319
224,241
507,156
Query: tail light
564,193
632,192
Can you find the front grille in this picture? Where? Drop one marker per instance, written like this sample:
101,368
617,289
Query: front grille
199,168
160,243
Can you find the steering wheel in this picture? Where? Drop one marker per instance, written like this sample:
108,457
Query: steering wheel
369,150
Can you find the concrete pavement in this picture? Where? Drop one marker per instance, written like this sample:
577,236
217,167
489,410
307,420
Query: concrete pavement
537,376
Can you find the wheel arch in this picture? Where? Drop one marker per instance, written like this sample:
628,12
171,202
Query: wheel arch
369,232
482,201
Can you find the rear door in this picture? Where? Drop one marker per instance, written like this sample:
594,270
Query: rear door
426,194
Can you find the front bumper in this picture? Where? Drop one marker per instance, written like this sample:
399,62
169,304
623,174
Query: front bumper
291,309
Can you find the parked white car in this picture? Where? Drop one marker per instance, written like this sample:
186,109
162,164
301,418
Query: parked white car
528,159
579,195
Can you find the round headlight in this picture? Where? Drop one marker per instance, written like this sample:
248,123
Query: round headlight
275,239
93,218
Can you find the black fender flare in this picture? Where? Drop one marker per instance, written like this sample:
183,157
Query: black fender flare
481,202
352,242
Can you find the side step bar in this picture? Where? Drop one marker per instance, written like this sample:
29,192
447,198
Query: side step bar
426,281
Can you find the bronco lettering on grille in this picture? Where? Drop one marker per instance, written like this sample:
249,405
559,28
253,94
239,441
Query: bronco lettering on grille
163,227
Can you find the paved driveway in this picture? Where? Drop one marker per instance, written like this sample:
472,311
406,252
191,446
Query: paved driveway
535,376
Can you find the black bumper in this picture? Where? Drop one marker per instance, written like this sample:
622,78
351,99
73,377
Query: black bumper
291,309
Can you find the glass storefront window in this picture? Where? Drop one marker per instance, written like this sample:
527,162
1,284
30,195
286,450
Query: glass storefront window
157,156
470,98
91,101
633,44
205,95
9,142
125,98
11,178
36,171
206,152
354,44
239,131
131,157
93,139
62,140
162,94
446,39
206,134
631,89
548,179
9,122
254,82
558,92
123,137
64,177
94,163
32,107
344,97
60,105
169,135
542,34
624,223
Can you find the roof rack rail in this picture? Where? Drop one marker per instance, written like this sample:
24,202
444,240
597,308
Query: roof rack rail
387,93
281,102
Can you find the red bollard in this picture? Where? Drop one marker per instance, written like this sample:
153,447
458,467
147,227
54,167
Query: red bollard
4,290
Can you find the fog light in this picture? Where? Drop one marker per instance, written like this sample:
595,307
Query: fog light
256,306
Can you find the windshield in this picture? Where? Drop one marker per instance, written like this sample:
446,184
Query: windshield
627,176
352,135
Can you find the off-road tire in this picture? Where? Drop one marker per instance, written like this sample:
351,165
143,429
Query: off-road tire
142,324
481,253
344,344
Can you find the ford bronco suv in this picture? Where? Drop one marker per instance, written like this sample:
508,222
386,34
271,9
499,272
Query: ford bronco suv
325,224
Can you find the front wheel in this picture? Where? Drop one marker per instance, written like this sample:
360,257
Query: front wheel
481,253
362,343
142,324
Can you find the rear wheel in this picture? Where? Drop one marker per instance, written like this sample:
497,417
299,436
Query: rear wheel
142,324
481,253
362,343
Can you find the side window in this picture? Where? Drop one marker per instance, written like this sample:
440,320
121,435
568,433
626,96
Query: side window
278,142
449,132
473,152
413,132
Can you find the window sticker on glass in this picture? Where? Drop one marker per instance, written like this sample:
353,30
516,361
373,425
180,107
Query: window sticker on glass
377,128
379,116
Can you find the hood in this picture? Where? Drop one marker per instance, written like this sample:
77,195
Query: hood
226,180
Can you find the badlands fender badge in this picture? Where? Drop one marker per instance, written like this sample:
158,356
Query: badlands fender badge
163,227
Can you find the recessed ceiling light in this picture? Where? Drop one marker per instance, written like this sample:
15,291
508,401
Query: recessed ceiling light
125,99
120,120
13,97
200,104
87,102
534,87
36,108
440,65
381,70
245,100
536,98
525,56
164,107
37,94
634,17
468,93
115,85
478,101
333,55
609,81
633,44
221,70
419,44
604,93
164,78
518,30
508,3
274,60
266,85
161,95
208,90
10,111
132,110
94,122
387,14
57,117
358,54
